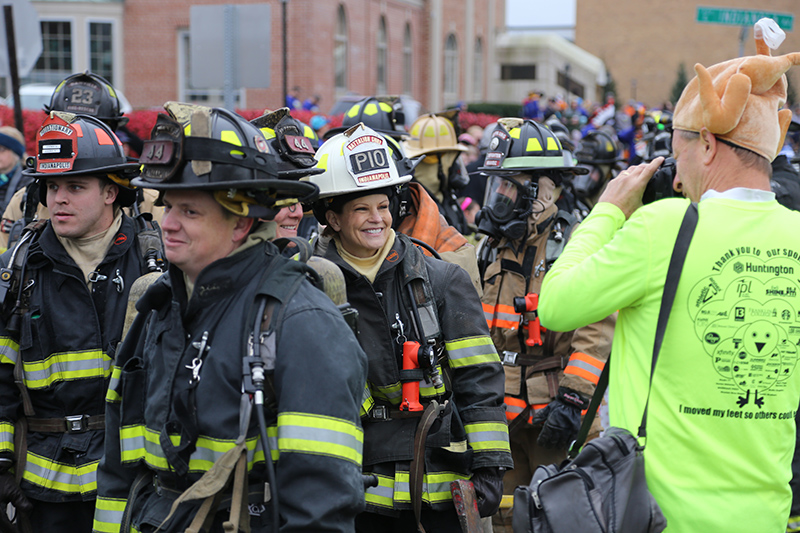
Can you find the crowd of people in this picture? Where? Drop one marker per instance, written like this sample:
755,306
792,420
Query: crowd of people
254,328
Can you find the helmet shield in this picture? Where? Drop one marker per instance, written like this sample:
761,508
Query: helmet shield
358,159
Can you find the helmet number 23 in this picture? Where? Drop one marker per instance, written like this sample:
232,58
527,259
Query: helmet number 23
82,96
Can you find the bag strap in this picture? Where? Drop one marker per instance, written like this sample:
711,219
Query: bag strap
670,287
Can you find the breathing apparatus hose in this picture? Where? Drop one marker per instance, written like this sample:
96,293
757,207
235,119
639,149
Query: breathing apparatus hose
258,400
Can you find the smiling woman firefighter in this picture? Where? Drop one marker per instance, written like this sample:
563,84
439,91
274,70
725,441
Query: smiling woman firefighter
436,412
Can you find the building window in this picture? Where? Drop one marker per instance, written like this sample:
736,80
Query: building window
407,55
572,86
340,51
101,50
382,56
55,63
477,71
451,68
518,72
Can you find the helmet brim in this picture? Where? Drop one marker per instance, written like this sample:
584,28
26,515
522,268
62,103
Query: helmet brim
125,169
303,190
492,171
413,152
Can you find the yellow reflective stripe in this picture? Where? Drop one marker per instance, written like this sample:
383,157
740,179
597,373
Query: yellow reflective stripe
6,437
435,486
390,393
793,525
67,366
112,396
71,479
9,350
108,514
383,494
367,403
471,351
140,443
320,435
487,436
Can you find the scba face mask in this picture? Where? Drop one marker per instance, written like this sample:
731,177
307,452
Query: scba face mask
507,205
588,185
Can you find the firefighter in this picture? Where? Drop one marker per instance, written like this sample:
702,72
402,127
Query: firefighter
82,93
549,377
438,416
441,173
64,291
600,155
234,356
414,211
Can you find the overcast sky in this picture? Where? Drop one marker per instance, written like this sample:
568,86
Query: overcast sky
540,13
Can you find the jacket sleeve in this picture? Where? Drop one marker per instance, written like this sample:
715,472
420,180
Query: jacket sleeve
114,479
10,401
591,346
477,375
320,373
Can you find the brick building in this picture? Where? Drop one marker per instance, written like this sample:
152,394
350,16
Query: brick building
643,42
335,47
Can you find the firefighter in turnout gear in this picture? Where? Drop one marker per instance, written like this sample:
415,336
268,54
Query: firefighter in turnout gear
234,402
436,409
442,173
63,290
549,376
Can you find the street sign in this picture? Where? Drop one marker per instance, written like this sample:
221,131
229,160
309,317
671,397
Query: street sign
28,33
741,17
229,40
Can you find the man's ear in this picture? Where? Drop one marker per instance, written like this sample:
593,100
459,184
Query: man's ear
242,228
110,192
333,220
710,145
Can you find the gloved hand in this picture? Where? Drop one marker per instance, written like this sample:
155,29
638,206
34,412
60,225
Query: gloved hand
11,493
488,483
561,419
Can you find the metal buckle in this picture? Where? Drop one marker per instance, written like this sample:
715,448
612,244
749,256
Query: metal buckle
77,423
96,276
379,412
509,358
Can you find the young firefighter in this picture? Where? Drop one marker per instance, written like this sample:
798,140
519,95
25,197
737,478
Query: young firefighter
64,300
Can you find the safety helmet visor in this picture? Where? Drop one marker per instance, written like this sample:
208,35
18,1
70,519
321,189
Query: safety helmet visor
587,185
504,197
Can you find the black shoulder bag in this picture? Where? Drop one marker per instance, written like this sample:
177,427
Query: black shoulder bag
602,489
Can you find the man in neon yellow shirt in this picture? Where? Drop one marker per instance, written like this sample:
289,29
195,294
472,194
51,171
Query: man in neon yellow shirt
725,391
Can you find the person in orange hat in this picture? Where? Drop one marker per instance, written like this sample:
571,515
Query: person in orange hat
723,395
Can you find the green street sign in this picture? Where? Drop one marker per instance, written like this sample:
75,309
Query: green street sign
741,17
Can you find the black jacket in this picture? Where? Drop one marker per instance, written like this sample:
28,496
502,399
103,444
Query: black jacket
319,375
67,342
472,431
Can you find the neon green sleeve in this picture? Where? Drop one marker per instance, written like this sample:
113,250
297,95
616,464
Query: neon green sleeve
604,267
